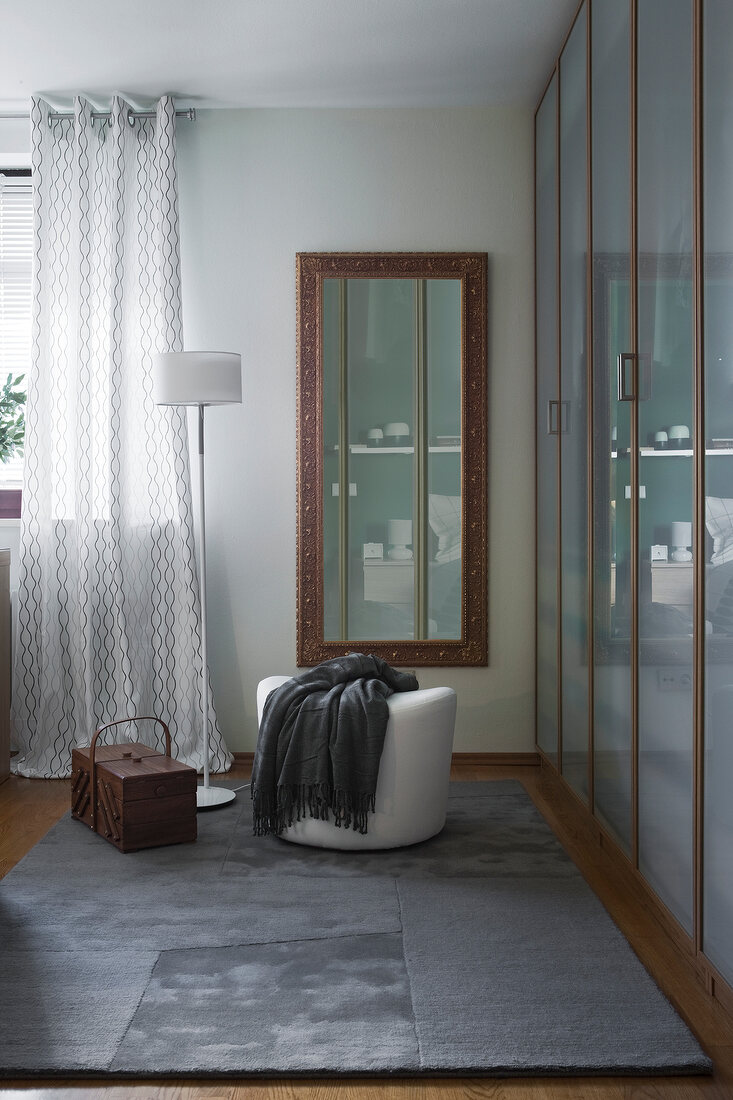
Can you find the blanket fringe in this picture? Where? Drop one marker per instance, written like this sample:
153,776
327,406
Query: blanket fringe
349,809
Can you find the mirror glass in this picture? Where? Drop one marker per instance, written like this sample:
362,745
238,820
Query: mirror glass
392,462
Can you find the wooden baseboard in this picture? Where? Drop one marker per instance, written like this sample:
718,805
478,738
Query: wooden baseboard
497,759
472,759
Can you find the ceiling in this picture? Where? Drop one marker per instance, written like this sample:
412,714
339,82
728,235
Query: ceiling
282,53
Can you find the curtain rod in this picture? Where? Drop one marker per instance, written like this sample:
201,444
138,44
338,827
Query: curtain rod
185,112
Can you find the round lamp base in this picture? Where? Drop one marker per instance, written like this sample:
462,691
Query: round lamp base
211,798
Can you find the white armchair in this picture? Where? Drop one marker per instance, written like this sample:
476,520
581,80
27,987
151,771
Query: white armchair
412,787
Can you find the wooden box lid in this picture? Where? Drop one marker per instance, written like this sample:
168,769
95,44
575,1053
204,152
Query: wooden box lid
104,753
145,767
151,777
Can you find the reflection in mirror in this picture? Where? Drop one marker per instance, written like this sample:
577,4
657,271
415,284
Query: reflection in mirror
392,457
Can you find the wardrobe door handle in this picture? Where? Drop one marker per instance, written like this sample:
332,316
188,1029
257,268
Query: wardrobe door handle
624,358
552,407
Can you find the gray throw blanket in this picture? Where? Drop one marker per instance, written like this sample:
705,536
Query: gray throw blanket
320,743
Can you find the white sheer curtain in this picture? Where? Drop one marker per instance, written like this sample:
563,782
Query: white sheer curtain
108,601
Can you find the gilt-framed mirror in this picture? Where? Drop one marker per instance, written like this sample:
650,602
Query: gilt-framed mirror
392,457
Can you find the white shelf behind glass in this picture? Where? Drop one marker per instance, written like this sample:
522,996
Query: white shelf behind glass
362,449
650,452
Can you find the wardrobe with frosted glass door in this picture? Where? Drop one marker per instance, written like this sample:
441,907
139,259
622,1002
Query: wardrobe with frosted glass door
634,338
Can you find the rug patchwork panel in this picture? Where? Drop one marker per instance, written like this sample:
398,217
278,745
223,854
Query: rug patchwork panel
481,951
278,1008
560,989
67,1009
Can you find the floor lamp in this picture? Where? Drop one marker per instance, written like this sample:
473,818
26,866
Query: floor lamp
200,378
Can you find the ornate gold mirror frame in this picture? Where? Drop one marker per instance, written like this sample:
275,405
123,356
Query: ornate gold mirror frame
471,648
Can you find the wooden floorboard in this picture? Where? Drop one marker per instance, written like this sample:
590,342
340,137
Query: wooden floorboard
28,808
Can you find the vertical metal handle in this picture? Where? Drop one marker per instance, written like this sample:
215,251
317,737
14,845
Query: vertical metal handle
625,394
552,407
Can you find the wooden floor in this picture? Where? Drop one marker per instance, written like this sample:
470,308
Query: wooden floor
28,808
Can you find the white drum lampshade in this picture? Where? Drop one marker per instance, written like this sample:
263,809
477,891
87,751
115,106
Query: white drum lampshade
399,536
681,534
399,532
197,378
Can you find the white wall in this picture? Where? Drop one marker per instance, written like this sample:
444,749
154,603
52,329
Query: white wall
257,186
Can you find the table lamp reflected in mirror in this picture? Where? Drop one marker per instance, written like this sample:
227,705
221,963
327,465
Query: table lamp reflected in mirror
681,539
399,537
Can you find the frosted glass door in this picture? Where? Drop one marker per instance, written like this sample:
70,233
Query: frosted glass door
665,407
611,183
548,424
573,407
717,907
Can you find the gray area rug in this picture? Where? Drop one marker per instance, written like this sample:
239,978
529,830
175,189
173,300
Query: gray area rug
479,952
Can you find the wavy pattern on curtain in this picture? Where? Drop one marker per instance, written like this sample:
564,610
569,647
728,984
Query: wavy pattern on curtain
109,620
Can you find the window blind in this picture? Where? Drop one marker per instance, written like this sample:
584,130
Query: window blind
16,294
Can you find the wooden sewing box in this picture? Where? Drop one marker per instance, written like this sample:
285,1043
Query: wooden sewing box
134,796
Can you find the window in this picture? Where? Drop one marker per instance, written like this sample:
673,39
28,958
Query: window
16,270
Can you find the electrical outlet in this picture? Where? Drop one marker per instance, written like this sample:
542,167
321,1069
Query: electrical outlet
674,679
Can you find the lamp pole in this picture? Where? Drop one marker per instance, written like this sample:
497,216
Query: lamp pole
207,797
202,584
